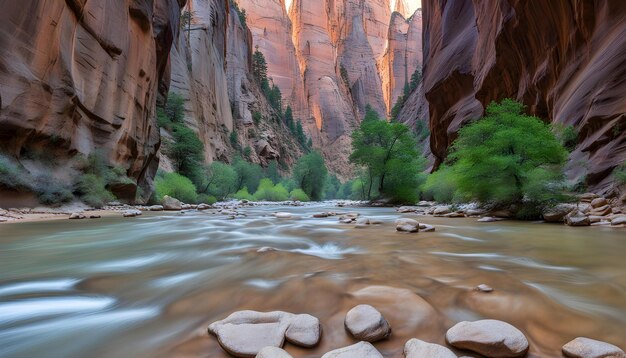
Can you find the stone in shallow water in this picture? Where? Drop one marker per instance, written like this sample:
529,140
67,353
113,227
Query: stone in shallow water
416,348
170,203
245,333
366,323
582,347
273,352
619,220
491,338
484,288
359,350
283,215
407,225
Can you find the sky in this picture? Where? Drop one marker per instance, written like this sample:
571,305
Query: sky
413,4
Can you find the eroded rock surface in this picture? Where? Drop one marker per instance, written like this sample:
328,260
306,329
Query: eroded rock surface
366,323
582,347
416,348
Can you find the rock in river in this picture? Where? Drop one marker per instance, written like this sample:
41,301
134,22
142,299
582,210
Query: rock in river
245,333
577,218
365,323
170,203
619,220
488,337
582,347
407,225
282,215
273,352
359,350
416,348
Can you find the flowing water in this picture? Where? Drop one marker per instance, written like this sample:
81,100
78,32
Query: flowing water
148,287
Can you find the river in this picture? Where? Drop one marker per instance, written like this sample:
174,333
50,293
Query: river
149,286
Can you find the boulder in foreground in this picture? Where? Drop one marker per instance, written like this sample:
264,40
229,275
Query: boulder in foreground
582,347
416,348
246,333
359,350
366,323
489,337
273,352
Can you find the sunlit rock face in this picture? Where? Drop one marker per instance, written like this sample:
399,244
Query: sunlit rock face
199,72
403,55
305,50
79,76
564,59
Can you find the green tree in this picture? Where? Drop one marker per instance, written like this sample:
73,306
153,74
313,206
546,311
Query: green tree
269,192
331,187
248,174
416,79
259,68
309,173
241,13
219,180
234,140
176,186
388,154
186,152
507,158
272,172
175,108
288,117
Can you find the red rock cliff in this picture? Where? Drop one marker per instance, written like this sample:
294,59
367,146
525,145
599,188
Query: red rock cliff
78,76
565,59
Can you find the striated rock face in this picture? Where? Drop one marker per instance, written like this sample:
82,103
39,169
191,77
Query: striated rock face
199,73
79,76
306,50
402,57
564,59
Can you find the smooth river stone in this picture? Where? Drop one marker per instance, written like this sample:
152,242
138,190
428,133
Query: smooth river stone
273,352
582,347
491,338
359,350
416,348
245,333
283,215
366,323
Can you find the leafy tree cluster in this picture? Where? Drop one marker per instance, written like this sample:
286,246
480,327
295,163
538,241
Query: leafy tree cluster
296,129
416,79
506,158
387,153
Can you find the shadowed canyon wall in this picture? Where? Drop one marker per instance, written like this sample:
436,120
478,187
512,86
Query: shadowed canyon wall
79,76
564,59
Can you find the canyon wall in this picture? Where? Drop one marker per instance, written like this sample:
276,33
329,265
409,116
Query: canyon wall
211,71
564,59
82,76
307,48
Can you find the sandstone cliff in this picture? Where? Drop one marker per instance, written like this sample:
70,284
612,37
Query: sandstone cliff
211,70
79,76
564,59
325,36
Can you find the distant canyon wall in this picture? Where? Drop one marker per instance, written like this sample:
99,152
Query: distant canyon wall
306,48
81,76
564,59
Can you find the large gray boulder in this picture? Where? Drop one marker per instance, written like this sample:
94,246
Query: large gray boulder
582,347
359,350
577,218
416,348
245,333
170,203
407,225
366,323
619,220
558,212
273,352
491,338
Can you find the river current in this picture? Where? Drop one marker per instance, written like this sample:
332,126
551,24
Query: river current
149,286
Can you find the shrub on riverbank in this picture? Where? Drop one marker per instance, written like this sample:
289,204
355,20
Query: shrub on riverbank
176,186
269,192
298,195
310,173
506,158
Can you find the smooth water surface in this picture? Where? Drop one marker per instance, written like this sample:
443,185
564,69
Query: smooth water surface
149,286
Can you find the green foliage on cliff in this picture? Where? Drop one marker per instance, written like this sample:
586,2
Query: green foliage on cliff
620,174
259,69
344,76
416,79
98,175
387,153
12,176
241,13
505,158
310,175
567,135
186,152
